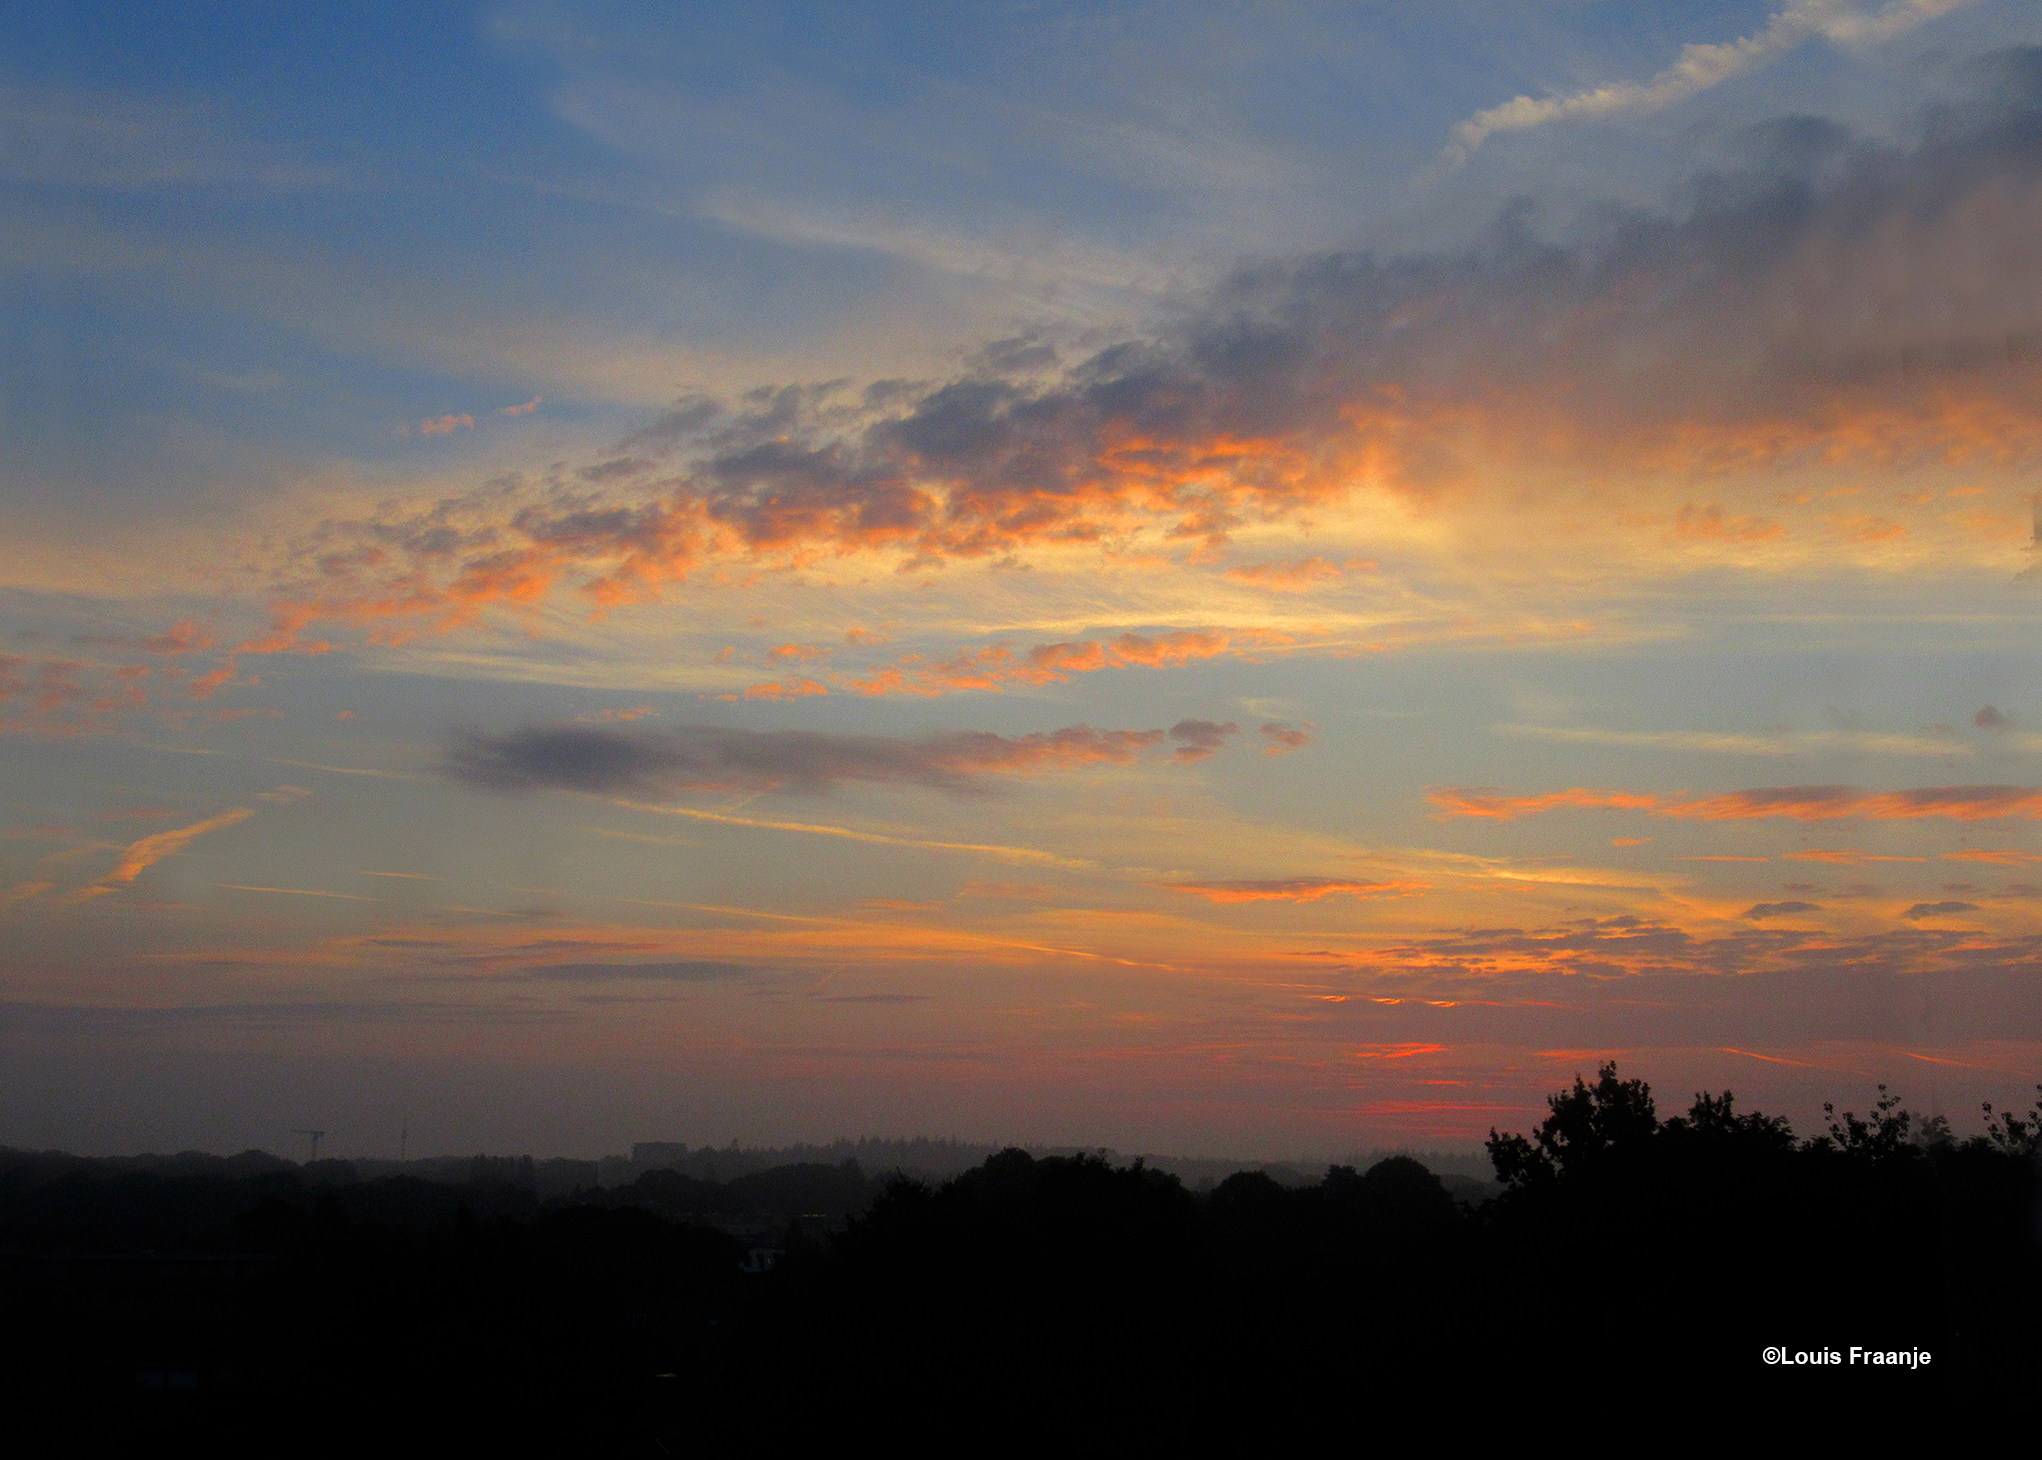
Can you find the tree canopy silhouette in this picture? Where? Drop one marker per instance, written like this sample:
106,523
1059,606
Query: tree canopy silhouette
643,1314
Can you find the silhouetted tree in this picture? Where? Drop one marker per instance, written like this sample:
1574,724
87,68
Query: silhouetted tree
470,1311
2016,1135
1588,1127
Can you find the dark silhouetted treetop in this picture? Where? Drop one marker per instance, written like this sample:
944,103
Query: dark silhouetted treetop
2016,1135
1589,1126
1247,1195
1713,1123
1398,1192
1885,1136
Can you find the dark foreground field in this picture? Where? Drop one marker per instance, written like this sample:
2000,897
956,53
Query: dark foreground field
1631,1263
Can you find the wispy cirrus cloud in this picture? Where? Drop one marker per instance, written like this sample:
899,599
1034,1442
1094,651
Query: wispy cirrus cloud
1843,856
113,140
1801,803
692,970
1494,962
1703,66
1711,742
1296,575
997,666
139,856
1296,889
185,637
1024,856
1500,806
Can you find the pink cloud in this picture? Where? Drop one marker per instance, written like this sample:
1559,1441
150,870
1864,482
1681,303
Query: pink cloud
1285,738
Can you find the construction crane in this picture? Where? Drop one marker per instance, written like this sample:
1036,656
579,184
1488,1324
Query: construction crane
315,1135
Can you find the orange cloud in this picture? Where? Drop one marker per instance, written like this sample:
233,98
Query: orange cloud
795,653
442,425
67,696
1496,806
792,689
137,857
1710,523
1864,528
207,685
422,582
524,410
1824,803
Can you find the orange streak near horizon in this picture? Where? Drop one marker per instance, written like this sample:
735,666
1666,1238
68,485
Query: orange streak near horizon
1800,803
1768,1058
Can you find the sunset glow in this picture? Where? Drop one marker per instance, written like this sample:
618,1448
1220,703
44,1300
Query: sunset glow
1206,579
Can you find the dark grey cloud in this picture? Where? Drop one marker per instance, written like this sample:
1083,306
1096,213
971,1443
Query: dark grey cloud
688,417
1197,739
1779,909
1990,719
658,763
1018,355
1939,909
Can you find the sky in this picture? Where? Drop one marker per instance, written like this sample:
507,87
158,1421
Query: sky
1238,579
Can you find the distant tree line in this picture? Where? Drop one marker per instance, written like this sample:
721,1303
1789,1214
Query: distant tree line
1624,1253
